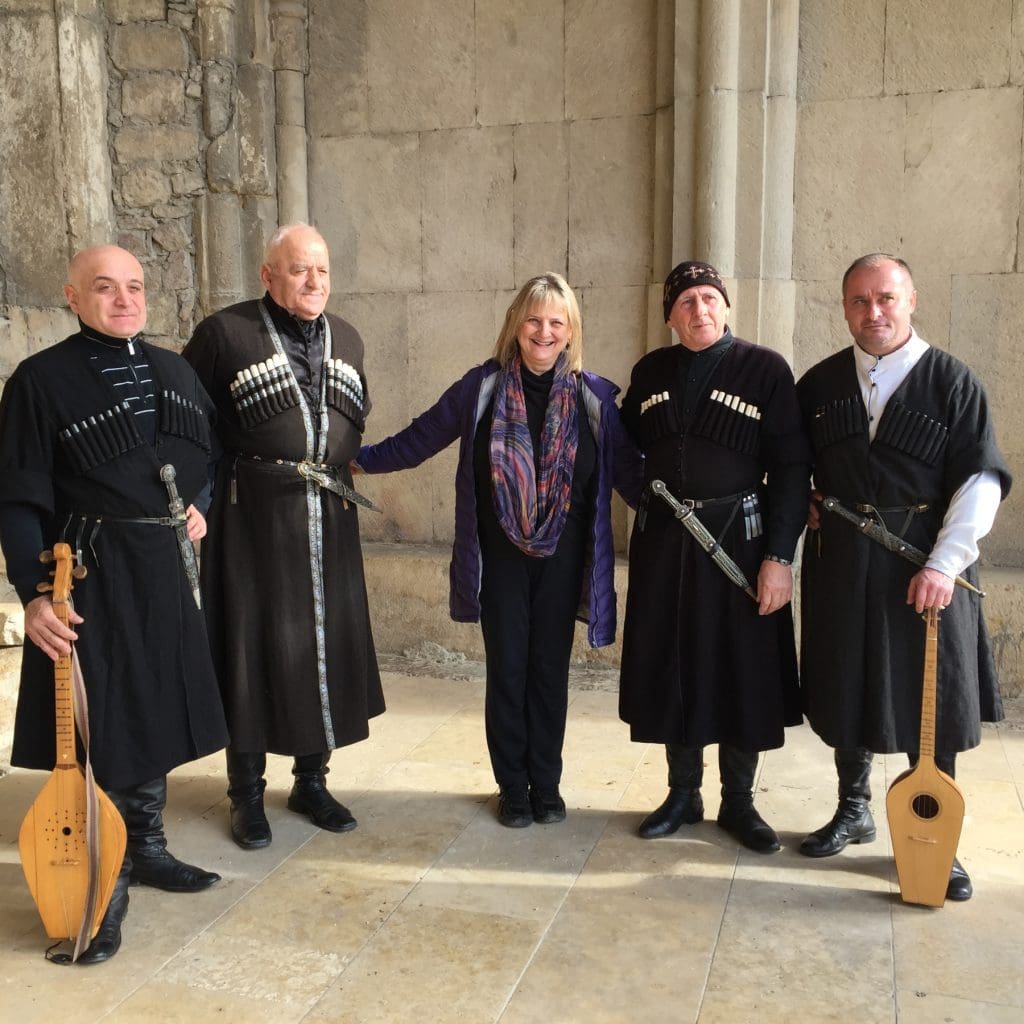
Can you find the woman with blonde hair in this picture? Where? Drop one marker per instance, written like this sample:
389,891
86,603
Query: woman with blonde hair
540,447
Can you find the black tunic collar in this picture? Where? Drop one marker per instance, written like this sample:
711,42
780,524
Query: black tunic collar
107,340
305,330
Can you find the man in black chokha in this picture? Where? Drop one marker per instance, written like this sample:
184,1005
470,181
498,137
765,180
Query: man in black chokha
85,428
902,435
703,660
283,578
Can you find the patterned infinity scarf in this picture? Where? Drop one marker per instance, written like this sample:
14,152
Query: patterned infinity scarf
531,497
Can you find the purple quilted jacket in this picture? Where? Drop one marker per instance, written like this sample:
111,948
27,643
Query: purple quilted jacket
455,415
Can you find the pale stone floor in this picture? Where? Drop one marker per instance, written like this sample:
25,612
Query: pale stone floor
432,912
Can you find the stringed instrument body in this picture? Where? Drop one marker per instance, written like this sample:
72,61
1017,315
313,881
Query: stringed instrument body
53,840
925,806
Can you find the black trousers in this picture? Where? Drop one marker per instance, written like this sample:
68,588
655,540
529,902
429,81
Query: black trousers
528,614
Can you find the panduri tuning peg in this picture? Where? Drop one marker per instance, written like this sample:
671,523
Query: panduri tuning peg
80,572
44,588
45,557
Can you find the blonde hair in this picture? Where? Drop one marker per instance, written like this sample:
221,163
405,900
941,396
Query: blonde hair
539,291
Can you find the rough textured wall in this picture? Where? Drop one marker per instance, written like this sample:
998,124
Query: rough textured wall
909,141
458,149
155,116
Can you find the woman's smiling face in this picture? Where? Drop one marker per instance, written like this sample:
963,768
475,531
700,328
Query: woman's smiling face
542,336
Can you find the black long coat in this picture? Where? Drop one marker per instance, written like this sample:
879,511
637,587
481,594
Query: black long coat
283,582
699,665
153,697
862,646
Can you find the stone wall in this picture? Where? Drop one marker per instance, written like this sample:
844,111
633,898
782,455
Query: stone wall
456,150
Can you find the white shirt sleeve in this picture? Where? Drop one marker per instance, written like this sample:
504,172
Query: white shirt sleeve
969,517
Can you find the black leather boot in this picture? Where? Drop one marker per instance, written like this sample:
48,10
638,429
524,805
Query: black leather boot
683,805
852,822
107,940
152,864
309,795
959,889
737,814
249,826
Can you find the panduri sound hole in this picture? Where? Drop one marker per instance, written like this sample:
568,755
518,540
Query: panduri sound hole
925,806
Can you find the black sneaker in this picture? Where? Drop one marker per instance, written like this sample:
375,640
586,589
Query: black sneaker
514,808
547,805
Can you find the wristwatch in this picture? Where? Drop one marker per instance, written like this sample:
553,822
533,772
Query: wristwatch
776,558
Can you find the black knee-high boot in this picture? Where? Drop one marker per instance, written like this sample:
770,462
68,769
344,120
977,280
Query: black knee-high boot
737,814
683,805
852,822
152,863
309,795
249,826
107,940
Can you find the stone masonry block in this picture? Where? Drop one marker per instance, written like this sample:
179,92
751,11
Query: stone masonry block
163,142
382,320
986,313
222,161
25,330
614,330
611,201
216,36
153,97
365,192
519,63
178,271
187,183
963,176
123,11
32,214
1017,45
610,49
162,309
173,236
144,185
420,65
288,37
218,97
852,205
933,45
842,49
467,209
821,329
337,84
256,149
448,333
541,193
149,47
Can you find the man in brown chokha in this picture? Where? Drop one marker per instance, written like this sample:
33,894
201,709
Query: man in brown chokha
283,578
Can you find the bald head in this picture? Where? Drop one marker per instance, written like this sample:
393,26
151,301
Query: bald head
296,270
106,290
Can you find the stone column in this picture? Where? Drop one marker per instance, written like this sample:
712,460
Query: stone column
718,61
778,306
218,228
82,65
290,50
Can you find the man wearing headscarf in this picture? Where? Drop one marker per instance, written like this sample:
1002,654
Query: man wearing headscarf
703,660
283,581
